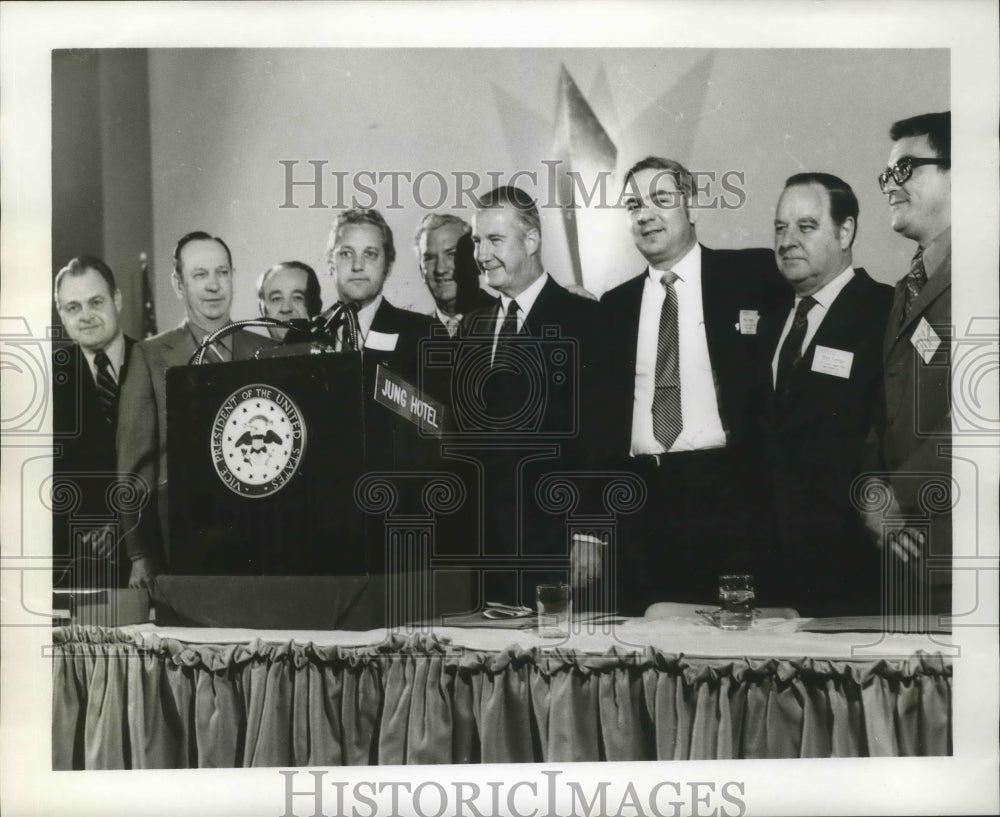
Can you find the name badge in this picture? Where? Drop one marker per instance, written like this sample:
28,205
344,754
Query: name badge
925,340
748,321
381,342
835,362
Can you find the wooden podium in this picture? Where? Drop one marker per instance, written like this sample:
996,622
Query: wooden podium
264,456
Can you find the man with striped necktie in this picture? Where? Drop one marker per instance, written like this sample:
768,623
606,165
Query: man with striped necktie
680,345
203,279
912,432
87,374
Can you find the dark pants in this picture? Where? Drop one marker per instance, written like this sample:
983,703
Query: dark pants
705,515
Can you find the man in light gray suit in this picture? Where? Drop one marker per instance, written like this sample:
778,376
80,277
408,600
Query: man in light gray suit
203,279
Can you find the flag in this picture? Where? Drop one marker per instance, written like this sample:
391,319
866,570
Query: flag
148,306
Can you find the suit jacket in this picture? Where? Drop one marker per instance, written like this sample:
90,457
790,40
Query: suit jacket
142,428
85,441
559,403
732,281
814,437
915,418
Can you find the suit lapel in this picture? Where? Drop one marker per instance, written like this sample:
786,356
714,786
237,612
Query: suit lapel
935,285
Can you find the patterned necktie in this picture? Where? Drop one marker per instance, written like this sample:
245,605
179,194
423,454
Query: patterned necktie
107,388
451,323
667,418
791,349
915,280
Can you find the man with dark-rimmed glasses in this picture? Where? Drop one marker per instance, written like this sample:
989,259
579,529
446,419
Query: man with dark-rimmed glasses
913,428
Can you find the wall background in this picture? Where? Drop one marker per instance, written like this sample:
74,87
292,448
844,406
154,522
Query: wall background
221,120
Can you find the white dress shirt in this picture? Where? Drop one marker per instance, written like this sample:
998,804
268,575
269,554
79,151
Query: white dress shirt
699,404
824,297
525,301
116,354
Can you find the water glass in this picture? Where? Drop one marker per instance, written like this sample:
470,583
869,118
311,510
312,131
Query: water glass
736,601
555,606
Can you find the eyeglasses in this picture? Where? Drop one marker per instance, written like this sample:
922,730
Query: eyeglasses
903,169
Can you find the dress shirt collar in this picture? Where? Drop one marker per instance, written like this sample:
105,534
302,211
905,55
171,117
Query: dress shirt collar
115,352
526,299
936,252
450,321
366,315
687,269
225,345
828,293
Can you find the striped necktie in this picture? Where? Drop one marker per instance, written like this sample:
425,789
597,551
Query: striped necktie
667,417
107,388
915,280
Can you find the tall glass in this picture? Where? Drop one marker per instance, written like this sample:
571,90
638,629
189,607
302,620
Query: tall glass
736,601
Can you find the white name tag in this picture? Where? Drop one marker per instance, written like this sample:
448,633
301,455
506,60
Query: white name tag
748,321
836,362
925,340
381,342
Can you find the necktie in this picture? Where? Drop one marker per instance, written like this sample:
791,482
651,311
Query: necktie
667,418
791,349
509,326
451,323
914,281
107,388
508,329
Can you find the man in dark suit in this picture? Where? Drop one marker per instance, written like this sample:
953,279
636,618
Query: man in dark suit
912,431
680,344
360,255
203,279
821,368
87,375
523,382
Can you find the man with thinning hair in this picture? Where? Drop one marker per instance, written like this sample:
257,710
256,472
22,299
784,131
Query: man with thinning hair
87,377
203,280
535,347
288,291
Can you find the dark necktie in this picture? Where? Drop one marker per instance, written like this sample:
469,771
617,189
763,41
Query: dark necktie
508,328
791,349
914,281
667,418
107,388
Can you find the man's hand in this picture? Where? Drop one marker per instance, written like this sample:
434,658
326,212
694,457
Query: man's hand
586,559
576,289
142,572
905,543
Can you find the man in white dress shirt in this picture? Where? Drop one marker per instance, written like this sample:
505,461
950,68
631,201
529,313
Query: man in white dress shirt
681,345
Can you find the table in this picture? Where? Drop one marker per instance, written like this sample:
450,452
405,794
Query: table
147,697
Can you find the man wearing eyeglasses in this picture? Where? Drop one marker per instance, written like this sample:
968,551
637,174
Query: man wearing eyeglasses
680,344
914,423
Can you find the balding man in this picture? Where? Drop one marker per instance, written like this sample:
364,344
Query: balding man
88,374
203,280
